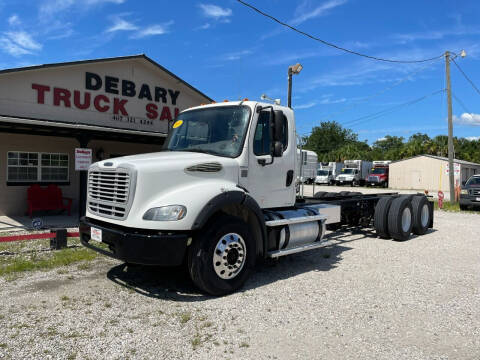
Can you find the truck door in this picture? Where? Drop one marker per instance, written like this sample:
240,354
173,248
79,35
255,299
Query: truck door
271,184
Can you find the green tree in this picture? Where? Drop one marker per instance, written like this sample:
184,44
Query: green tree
327,138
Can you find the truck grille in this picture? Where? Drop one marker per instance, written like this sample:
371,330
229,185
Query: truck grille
475,191
373,178
109,192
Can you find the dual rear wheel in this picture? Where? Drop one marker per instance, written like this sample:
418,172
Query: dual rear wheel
398,217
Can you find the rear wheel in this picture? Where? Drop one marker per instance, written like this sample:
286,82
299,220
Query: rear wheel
319,194
331,194
400,218
463,207
221,257
421,215
344,193
381,216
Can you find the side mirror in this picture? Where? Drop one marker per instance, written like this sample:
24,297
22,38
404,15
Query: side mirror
463,183
277,149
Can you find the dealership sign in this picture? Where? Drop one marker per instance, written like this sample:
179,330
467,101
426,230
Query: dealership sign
115,98
127,94
83,159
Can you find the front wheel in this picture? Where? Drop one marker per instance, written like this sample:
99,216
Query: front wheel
222,256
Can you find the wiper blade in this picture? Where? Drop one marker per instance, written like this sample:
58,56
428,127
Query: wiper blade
204,151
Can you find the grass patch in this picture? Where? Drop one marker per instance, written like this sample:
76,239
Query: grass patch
244,345
45,260
3,345
185,317
447,206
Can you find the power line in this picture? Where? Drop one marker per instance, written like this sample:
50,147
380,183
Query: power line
461,103
331,44
378,114
378,93
466,77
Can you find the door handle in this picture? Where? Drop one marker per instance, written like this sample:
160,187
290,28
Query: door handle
289,178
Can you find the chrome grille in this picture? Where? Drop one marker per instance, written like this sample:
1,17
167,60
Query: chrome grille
373,178
475,192
109,192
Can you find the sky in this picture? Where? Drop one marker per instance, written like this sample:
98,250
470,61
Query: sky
230,52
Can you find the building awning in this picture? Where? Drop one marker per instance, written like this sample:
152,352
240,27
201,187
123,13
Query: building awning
56,128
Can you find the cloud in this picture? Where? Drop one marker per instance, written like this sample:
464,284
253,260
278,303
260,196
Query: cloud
304,12
120,24
467,119
215,12
18,43
14,20
473,138
49,8
236,55
434,34
204,27
329,101
305,106
381,139
152,30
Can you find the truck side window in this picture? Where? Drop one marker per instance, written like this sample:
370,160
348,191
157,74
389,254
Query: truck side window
261,140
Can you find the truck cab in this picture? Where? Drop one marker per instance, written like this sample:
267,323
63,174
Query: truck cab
379,174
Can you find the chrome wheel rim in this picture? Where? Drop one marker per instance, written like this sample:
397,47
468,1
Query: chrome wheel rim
229,256
406,219
425,215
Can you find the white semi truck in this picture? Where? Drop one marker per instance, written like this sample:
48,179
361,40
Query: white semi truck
221,196
354,172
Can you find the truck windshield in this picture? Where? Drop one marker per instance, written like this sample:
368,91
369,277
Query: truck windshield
473,181
214,130
322,172
348,171
379,171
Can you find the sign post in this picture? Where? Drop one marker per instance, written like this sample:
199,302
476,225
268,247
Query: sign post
83,160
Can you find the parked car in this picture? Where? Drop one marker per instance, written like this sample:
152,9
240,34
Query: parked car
470,193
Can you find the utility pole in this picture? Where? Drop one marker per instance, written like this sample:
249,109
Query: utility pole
451,170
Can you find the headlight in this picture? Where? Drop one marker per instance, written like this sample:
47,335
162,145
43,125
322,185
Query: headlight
464,192
166,213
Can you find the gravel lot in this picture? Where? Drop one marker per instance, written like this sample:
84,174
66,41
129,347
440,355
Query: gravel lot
361,298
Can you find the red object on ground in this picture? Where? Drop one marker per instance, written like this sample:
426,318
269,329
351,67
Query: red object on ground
440,199
49,198
34,236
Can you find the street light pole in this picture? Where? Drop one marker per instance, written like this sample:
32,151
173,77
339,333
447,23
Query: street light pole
289,94
450,129
292,70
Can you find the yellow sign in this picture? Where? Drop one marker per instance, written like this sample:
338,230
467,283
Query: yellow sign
177,124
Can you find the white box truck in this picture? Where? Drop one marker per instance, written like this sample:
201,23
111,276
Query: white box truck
327,171
307,162
221,196
354,172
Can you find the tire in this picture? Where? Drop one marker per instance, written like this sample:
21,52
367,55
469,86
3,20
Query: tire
207,250
331,194
344,193
354,193
380,218
319,194
400,218
463,207
421,215
354,183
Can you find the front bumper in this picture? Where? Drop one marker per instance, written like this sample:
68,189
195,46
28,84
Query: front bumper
135,246
469,200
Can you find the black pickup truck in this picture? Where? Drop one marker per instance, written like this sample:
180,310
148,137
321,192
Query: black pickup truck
470,193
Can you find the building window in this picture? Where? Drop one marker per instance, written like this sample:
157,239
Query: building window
31,167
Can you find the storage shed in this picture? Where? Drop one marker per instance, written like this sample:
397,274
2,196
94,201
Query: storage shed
428,172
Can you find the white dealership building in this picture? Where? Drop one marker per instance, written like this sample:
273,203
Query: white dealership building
112,106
